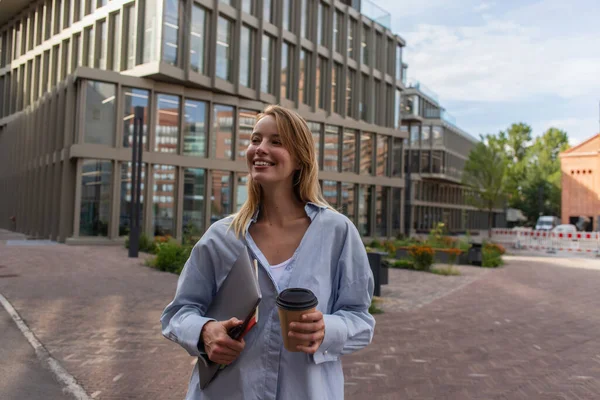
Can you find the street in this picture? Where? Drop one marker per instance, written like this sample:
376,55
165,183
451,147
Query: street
525,331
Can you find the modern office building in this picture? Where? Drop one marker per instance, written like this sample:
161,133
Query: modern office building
72,71
434,159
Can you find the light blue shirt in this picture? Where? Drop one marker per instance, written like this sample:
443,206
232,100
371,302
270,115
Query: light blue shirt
331,261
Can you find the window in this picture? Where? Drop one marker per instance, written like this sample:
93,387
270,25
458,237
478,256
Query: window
391,57
321,23
220,196
130,37
287,62
171,32
349,86
167,128
426,136
303,87
337,31
379,51
321,82
364,45
330,192
425,155
75,52
222,133
163,200
348,193
246,53
100,113
396,207
381,210
64,58
378,106
134,98
364,210
268,11
349,151
55,71
266,71
437,165
398,62
381,157
305,19
125,216
224,59
246,120
66,22
397,110
48,19
194,195
397,157
248,6
315,128
336,84
57,13
197,39
194,128
351,36
89,47
150,25
331,148
414,136
228,2
438,138
101,43
286,14
366,153
364,96
96,189
114,45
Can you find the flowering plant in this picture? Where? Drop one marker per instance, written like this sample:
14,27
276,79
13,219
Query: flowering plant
421,256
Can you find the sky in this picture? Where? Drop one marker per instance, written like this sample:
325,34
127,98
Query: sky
494,63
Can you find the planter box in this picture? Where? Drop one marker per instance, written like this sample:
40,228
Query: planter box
380,273
438,257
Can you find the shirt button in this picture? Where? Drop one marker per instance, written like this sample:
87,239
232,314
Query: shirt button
325,352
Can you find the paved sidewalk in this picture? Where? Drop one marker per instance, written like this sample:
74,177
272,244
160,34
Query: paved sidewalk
527,331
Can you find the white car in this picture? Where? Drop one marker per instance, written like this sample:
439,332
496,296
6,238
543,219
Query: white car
565,228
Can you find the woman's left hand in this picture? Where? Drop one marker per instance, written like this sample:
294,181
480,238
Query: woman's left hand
310,330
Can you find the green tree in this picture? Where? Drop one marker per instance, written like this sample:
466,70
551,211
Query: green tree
541,186
485,173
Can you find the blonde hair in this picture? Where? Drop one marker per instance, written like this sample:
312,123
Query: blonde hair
296,138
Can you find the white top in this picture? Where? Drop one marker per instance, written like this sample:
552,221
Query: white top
277,270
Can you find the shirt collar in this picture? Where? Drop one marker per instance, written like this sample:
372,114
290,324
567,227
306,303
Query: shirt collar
310,208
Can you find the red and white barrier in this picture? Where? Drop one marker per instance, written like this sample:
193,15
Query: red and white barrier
580,242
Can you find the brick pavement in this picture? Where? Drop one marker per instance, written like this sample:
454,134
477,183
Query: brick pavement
527,331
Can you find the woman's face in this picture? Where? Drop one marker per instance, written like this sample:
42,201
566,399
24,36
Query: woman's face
268,161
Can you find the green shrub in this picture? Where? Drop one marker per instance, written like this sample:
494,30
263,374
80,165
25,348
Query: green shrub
373,309
376,244
171,257
492,255
421,256
403,264
446,271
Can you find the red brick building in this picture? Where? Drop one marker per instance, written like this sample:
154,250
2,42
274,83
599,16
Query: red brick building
580,167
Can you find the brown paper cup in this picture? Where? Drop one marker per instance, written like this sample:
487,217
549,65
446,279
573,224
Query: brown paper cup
292,304
285,318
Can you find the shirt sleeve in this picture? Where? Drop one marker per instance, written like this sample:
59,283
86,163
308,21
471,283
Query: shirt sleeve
350,327
183,319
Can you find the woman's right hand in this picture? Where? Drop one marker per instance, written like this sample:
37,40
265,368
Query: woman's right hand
219,346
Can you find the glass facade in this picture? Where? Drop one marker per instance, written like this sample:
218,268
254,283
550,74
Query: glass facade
336,84
100,113
321,27
266,70
246,52
242,190
315,128
101,61
331,148
351,39
366,153
397,152
247,119
171,32
381,211
438,138
163,200
287,78
320,82
194,128
364,98
364,210
224,54
96,189
304,19
268,11
338,20
125,217
248,6
220,199
150,25
349,151
222,133
130,37
397,211
330,192
198,28
303,88
364,45
348,192
286,14
167,128
348,98
135,98
194,191
381,157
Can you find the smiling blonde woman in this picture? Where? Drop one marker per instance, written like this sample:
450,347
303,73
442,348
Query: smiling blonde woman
299,241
